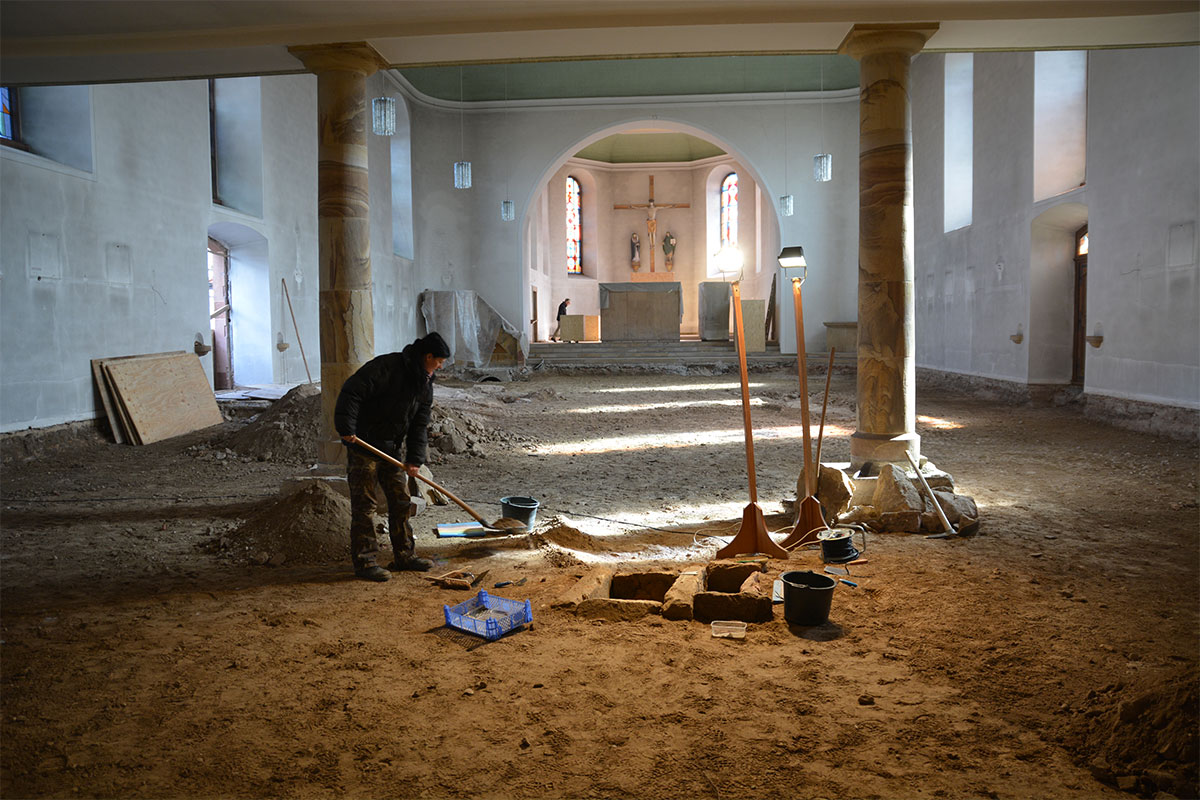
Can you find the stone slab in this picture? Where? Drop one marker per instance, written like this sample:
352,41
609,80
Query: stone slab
615,610
594,584
707,606
678,602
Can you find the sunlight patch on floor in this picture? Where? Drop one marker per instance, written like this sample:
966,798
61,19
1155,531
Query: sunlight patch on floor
677,387
754,401
939,424
666,441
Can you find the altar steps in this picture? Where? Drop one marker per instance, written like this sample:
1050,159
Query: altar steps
687,353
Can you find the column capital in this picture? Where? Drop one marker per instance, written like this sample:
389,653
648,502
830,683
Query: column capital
907,38
358,57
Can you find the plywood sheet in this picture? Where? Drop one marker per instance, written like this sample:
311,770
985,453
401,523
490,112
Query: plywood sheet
106,399
163,396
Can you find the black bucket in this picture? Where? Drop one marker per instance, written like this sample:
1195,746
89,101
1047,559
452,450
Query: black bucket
807,597
522,509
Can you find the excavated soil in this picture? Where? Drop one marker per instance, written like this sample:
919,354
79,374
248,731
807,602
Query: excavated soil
172,624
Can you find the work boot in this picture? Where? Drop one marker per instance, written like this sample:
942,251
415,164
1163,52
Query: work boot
372,572
410,563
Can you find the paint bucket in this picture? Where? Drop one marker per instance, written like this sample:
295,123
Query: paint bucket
807,597
522,509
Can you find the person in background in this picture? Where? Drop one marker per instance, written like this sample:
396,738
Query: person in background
387,403
562,312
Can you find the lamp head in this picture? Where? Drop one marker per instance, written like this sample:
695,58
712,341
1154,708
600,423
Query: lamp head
792,257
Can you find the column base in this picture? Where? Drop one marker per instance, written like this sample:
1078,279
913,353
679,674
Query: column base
331,456
866,447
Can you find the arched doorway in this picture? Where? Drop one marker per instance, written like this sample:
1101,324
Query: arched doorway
239,303
1057,296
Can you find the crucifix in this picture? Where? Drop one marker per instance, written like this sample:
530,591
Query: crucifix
651,213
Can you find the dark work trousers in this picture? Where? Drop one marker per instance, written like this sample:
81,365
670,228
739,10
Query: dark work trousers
362,472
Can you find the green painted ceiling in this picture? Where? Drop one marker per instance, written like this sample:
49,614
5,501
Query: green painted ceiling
641,77
641,148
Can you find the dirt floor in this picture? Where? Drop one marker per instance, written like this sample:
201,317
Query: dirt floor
171,628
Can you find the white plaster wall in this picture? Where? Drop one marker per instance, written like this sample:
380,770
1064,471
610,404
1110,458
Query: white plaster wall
974,286
121,250
1143,180
457,231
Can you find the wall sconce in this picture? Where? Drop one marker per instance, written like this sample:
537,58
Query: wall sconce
199,347
1019,336
280,344
1097,337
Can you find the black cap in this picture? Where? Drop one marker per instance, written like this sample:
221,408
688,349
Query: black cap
433,344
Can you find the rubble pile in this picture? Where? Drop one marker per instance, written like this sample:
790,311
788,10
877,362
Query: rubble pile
892,500
310,525
288,431
1141,736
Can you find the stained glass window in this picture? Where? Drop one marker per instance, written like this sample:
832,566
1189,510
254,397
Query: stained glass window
729,210
574,229
6,116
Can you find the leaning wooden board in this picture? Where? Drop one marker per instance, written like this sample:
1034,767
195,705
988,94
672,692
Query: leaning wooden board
118,420
163,397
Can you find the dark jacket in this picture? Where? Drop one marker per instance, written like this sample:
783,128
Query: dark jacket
387,403
562,310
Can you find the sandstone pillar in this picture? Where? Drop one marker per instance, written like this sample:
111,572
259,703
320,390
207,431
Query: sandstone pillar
343,220
886,354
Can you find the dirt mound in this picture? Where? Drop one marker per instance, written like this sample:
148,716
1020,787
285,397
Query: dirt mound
308,526
288,431
563,535
1142,737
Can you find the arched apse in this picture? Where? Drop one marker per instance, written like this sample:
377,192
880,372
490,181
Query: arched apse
249,294
1052,292
539,270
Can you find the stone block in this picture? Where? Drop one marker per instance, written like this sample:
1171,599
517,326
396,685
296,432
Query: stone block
641,585
759,584
895,492
957,506
707,606
864,490
678,602
728,575
900,521
834,490
867,513
615,610
594,584
423,490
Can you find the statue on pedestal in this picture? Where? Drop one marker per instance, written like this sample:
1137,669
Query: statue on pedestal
669,249
635,252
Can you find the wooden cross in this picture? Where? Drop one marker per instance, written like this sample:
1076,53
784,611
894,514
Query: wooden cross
651,213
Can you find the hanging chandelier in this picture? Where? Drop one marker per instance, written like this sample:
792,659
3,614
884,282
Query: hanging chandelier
383,116
462,168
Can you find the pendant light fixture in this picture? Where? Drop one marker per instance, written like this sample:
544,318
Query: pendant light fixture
822,162
462,168
507,211
786,201
383,116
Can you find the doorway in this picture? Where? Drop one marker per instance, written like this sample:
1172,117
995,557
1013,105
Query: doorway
534,321
218,309
1079,342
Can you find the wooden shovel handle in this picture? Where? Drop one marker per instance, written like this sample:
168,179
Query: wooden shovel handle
936,505
376,451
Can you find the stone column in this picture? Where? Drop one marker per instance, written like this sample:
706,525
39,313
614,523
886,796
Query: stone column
886,353
343,220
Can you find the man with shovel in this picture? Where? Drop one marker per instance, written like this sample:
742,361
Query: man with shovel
387,403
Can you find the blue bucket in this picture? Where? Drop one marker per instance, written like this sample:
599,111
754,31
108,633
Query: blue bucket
522,509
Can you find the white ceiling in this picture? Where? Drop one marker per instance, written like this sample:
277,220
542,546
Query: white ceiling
81,41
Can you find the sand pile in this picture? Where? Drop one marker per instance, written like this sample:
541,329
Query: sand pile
288,431
309,526
1142,737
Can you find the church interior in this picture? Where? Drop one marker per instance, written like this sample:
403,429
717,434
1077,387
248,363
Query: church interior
851,468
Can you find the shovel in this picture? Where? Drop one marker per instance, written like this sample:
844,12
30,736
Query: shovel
504,524
965,530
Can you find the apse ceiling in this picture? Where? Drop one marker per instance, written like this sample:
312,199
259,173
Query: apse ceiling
650,147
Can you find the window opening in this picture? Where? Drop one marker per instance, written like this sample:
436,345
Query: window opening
574,228
729,211
1059,122
958,141
10,128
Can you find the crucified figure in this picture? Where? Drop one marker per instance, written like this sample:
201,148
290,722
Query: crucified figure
652,217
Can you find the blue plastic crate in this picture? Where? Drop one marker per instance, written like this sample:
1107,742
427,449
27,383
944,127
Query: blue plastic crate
489,617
